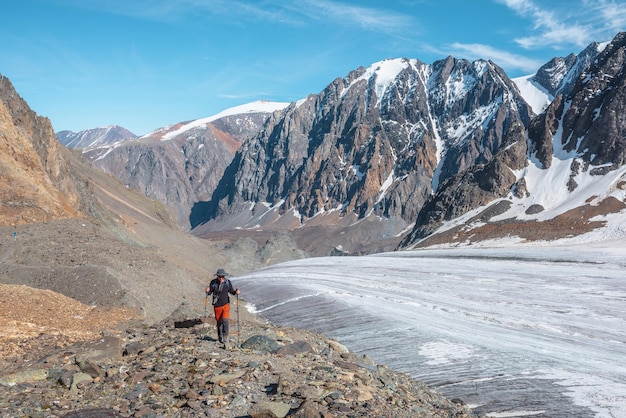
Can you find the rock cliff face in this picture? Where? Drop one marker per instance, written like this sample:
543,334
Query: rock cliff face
559,74
580,137
594,122
176,165
374,144
35,184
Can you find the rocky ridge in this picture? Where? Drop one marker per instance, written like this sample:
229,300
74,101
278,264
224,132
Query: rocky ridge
558,75
176,368
178,165
35,184
108,135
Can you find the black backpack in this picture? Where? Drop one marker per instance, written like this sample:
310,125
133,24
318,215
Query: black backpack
214,287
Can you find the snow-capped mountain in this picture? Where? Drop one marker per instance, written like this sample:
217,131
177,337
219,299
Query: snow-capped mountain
96,137
238,112
556,77
181,164
563,176
372,145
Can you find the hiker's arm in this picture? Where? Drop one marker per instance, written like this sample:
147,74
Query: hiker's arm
232,290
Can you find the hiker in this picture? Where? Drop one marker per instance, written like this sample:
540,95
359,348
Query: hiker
220,287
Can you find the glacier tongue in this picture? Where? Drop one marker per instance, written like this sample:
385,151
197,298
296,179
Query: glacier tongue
511,332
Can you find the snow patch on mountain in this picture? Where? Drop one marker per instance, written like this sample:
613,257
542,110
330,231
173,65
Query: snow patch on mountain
548,188
91,138
386,184
535,95
385,73
261,106
468,123
459,86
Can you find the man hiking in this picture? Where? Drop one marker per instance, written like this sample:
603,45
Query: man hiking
220,287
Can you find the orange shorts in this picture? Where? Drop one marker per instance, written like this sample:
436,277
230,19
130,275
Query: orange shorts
222,312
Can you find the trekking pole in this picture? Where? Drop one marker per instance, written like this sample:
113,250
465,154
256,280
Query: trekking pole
238,324
204,319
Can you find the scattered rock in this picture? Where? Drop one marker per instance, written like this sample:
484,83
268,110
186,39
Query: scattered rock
182,372
534,209
94,413
260,343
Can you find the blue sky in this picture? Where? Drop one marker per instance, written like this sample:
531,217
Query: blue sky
145,64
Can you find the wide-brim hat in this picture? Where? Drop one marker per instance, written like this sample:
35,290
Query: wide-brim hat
221,272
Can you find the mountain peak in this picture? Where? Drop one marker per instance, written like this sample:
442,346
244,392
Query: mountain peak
102,136
261,106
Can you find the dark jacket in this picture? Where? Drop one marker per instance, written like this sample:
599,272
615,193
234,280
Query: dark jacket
220,294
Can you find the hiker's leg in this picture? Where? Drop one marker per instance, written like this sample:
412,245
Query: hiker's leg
220,331
225,328
225,316
219,318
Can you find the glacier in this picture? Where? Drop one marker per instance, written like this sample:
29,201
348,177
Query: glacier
509,331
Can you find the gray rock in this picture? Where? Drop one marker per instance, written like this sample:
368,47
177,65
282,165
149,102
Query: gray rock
134,348
91,368
22,377
226,377
533,209
79,380
106,349
94,413
276,409
296,348
260,343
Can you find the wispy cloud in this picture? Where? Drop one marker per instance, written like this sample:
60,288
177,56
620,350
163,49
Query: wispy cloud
375,19
551,30
168,10
581,23
504,59
611,15
368,18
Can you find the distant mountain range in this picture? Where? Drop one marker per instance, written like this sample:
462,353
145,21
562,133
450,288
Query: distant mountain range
401,153
96,137
179,164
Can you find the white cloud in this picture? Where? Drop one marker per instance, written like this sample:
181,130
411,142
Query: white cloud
348,15
281,11
611,14
551,29
579,24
